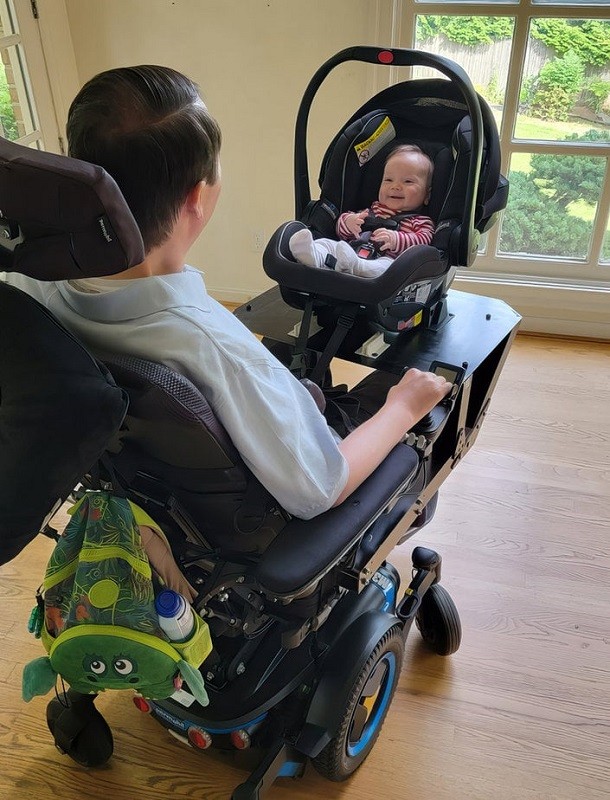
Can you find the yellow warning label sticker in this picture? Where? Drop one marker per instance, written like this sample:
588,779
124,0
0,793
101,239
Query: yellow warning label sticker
381,136
407,324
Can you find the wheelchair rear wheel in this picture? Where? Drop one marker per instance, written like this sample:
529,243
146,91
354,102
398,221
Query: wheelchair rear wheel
438,621
365,711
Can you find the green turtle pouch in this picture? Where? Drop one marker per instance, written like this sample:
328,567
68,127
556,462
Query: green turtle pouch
96,614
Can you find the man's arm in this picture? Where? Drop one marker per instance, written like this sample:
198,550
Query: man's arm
365,448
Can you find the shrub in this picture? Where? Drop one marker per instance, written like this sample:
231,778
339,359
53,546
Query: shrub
570,178
7,113
556,87
534,224
494,93
597,94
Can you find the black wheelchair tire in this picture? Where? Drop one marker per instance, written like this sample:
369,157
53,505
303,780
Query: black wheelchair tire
79,730
438,621
342,756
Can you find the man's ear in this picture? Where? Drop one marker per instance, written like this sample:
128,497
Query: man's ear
193,203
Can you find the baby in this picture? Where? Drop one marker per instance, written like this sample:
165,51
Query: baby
405,187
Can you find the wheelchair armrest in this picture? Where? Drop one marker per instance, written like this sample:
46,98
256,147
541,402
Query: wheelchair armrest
416,263
305,549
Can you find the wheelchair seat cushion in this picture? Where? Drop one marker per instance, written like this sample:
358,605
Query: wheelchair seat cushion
58,408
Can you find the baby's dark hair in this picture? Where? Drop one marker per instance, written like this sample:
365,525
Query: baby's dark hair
149,129
412,148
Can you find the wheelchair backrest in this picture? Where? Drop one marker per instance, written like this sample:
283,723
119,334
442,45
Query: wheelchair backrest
172,446
58,409
431,114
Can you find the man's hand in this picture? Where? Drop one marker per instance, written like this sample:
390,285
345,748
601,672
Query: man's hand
418,392
385,238
353,222
365,447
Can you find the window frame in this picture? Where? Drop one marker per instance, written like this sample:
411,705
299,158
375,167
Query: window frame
28,37
401,22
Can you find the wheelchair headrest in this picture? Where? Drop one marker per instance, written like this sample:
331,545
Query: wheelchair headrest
428,113
62,218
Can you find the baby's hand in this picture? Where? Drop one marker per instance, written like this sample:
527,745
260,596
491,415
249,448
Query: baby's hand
354,222
386,239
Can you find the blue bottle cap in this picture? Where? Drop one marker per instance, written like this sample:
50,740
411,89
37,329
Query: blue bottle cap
168,603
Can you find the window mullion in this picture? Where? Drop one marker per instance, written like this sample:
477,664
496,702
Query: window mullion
511,98
601,220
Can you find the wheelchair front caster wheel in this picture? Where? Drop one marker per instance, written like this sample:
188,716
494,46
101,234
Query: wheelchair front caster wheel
79,730
365,711
438,621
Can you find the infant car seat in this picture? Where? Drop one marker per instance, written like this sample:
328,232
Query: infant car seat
456,129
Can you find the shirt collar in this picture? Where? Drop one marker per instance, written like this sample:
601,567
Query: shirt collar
143,296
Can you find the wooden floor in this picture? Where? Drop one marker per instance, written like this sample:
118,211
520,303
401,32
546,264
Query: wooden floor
520,712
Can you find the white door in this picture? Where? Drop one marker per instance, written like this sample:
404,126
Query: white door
27,114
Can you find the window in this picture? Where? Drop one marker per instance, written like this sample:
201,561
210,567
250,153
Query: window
544,67
20,115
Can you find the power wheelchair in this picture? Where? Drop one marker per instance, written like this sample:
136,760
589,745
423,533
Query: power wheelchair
308,618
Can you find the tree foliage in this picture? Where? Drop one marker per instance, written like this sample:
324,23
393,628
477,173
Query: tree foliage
568,179
7,113
534,224
470,31
588,38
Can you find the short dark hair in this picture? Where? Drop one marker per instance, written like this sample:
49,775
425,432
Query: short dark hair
150,130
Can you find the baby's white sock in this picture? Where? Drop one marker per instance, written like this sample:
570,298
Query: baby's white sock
303,248
349,261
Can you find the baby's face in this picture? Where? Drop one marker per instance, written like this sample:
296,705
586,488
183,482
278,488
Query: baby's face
405,185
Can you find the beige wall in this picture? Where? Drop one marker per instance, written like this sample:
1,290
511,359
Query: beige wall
252,59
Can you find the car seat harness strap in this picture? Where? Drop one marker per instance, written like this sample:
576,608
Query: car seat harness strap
344,324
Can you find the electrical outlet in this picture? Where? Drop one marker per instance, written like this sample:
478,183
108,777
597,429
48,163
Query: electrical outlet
258,241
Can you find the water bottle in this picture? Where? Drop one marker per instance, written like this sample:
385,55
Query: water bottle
175,615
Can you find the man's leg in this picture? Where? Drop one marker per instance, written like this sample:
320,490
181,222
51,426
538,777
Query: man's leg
346,409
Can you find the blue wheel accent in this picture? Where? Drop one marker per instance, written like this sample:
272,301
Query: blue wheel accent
376,714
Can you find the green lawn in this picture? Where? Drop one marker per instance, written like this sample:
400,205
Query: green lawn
547,130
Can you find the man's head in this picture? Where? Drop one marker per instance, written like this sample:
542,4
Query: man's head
407,175
149,129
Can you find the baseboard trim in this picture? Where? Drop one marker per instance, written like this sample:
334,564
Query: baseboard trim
554,309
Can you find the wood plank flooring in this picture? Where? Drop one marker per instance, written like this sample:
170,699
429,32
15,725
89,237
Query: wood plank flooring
520,712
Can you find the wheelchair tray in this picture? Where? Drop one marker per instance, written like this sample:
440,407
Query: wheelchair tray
476,326
476,336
